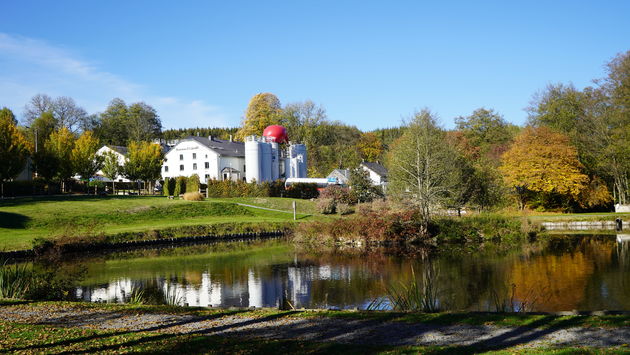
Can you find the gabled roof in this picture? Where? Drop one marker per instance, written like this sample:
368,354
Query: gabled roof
118,148
220,146
376,167
340,172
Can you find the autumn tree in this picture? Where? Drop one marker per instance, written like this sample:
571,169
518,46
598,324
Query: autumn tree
264,109
14,148
84,158
111,168
421,166
370,147
59,146
144,162
543,161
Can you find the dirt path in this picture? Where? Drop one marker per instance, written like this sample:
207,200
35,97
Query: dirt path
326,329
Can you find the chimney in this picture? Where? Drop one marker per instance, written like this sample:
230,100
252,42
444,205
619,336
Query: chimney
230,138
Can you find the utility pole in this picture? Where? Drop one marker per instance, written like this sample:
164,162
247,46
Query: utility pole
294,211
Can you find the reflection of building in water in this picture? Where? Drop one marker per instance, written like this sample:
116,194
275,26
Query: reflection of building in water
291,281
116,291
623,249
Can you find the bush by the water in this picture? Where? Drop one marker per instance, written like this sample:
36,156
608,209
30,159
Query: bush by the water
403,226
344,209
193,196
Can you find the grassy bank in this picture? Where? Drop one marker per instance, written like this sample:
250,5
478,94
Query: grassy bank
124,217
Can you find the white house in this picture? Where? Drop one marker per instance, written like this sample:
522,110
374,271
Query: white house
377,172
121,153
208,157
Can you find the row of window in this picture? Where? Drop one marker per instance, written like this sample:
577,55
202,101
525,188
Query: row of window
181,156
181,167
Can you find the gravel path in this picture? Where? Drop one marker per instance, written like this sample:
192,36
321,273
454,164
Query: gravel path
317,329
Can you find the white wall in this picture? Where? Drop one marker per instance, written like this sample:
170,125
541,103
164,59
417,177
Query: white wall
204,155
121,162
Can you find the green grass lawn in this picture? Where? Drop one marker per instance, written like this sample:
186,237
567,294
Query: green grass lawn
24,219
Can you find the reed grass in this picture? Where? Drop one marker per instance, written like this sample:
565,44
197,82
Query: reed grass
15,280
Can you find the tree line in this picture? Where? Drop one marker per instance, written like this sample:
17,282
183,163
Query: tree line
573,153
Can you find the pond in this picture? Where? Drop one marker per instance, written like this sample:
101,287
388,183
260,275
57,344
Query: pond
579,272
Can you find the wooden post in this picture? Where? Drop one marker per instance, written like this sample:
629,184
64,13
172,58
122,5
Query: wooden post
294,211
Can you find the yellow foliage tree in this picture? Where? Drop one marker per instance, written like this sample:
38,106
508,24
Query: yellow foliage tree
370,147
60,145
541,160
14,148
264,109
86,162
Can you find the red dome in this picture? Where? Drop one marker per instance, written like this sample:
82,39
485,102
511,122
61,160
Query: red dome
275,133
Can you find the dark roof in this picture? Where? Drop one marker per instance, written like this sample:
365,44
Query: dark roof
120,149
229,170
375,167
221,147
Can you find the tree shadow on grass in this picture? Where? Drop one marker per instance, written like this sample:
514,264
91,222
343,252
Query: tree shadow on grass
13,220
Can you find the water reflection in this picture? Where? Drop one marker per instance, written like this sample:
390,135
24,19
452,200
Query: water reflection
564,273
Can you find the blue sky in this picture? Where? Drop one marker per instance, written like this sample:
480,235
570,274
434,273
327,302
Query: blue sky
370,64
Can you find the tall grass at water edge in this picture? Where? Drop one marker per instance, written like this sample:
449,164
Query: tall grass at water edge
421,294
15,280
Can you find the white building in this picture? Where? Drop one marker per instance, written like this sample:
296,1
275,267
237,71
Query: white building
208,157
377,172
256,160
121,153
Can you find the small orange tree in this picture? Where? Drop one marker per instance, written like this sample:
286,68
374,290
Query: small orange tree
543,161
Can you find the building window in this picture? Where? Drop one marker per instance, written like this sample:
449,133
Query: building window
166,169
207,177
194,166
181,157
243,167
181,168
194,155
207,165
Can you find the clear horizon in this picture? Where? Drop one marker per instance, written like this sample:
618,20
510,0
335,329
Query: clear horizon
369,64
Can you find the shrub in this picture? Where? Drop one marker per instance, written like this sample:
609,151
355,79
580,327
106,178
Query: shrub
193,196
192,183
326,205
166,188
302,190
338,194
180,186
344,209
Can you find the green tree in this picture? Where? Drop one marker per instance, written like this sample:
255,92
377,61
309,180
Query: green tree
486,131
60,145
144,162
113,129
14,148
361,186
422,167
192,183
264,109
543,161
144,123
167,188
86,161
111,168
